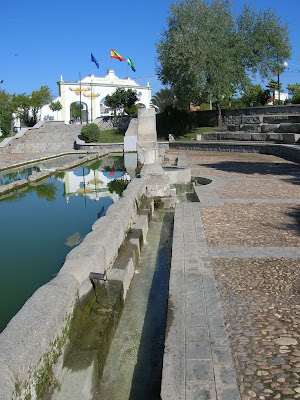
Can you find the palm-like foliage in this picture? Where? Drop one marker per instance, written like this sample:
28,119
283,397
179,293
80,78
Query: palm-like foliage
162,99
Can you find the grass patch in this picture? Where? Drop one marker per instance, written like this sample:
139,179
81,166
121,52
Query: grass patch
192,135
111,136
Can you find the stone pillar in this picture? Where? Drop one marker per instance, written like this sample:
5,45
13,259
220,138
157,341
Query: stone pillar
147,147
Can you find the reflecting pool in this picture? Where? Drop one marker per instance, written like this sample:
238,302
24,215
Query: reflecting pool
41,224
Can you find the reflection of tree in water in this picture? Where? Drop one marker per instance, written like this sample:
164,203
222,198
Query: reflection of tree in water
117,186
45,191
96,165
17,175
109,163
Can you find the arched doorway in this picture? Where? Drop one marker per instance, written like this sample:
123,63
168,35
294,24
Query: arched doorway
77,114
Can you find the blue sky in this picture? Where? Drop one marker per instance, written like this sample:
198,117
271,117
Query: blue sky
41,41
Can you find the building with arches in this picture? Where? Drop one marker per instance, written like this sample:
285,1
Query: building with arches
91,92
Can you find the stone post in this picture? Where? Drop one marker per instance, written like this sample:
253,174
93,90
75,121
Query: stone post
147,147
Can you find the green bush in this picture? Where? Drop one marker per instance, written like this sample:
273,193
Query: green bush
174,121
90,133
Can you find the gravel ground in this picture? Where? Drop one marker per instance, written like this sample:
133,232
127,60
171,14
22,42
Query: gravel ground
260,297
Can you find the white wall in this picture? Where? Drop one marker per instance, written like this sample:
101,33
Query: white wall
101,87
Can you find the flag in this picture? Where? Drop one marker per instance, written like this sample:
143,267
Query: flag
129,62
93,59
114,54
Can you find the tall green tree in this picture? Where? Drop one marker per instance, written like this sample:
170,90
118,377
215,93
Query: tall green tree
5,112
294,91
207,52
121,99
254,95
38,99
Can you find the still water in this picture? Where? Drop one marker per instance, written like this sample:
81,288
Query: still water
40,225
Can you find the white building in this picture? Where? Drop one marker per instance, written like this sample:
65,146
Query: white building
91,91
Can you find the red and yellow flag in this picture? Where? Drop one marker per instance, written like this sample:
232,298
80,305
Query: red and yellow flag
114,54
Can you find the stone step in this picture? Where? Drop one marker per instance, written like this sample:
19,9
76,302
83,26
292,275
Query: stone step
277,119
250,136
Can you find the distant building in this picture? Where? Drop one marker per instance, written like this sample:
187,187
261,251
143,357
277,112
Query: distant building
93,91
283,97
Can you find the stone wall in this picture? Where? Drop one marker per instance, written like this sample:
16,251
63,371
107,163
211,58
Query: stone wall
38,332
234,116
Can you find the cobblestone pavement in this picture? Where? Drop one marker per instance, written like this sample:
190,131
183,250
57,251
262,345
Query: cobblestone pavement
251,219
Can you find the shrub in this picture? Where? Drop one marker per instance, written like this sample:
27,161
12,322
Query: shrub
90,133
175,121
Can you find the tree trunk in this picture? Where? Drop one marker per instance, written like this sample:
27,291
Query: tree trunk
219,113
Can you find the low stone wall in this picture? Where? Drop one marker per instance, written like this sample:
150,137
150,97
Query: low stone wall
288,152
36,336
234,116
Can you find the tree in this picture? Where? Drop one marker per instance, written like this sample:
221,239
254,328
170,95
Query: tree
254,95
162,99
207,52
294,90
38,99
273,86
5,113
121,99
55,106
75,109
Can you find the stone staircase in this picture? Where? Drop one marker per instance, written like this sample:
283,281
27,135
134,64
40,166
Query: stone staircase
49,137
276,128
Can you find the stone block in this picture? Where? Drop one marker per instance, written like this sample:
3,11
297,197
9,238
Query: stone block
124,210
209,136
111,236
233,128
146,128
141,224
251,128
124,275
39,323
85,258
251,119
265,128
181,175
226,135
242,136
291,138
277,119
275,136
288,128
132,129
259,136
147,155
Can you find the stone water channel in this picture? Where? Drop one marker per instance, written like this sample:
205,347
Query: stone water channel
116,350
43,222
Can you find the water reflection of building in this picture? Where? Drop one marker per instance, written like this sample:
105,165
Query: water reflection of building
91,183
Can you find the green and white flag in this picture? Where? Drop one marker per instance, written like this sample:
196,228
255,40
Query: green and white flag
129,62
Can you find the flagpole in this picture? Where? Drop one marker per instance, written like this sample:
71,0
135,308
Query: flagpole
80,99
91,100
91,91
